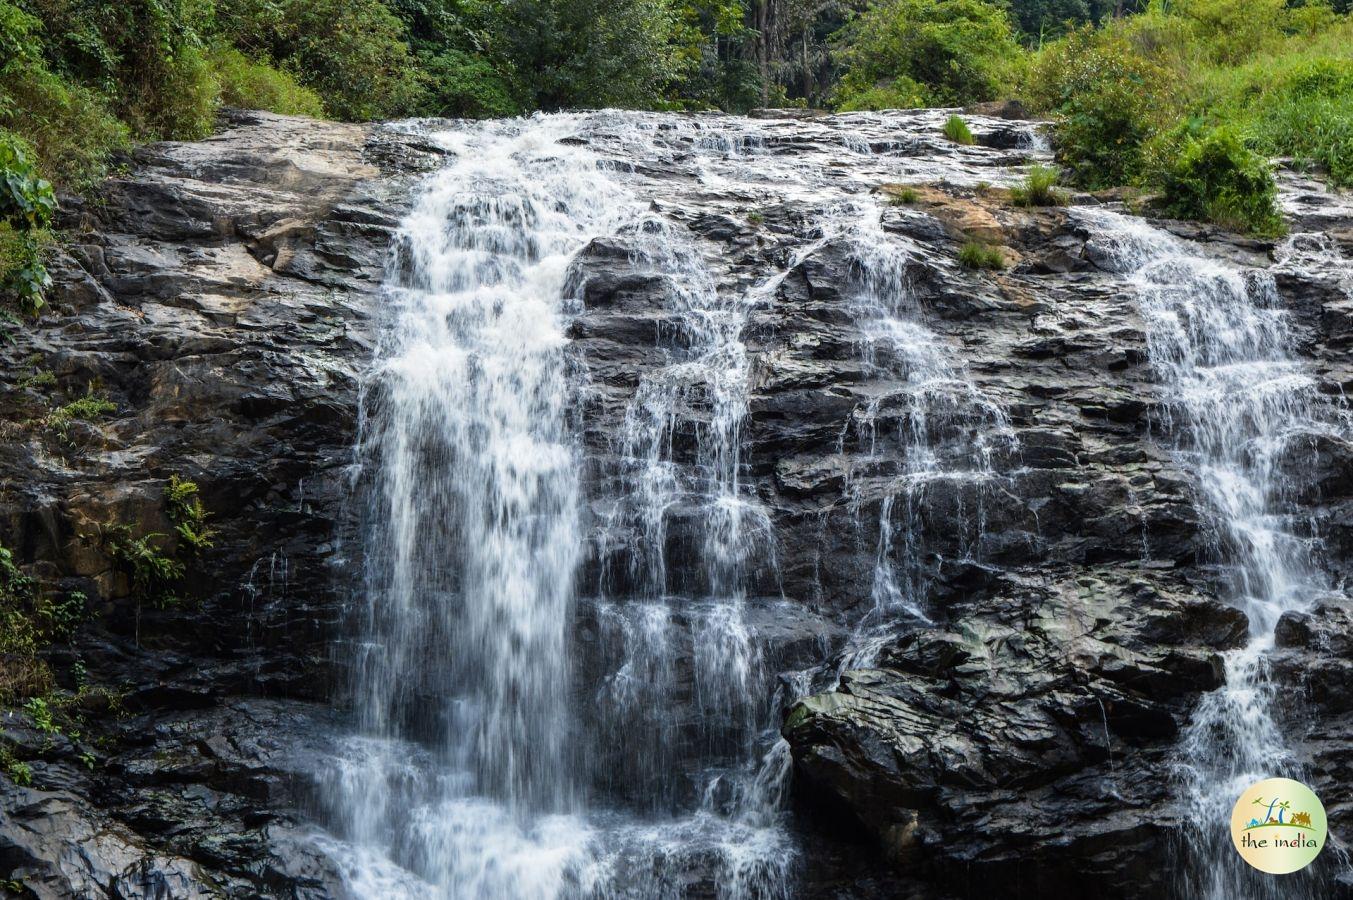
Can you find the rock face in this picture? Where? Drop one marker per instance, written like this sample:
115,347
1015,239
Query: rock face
222,296
999,704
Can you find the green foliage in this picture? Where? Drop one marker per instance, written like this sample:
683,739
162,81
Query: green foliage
956,130
466,85
591,53
1295,105
41,715
20,773
71,129
1214,177
352,53
22,671
976,255
89,408
1182,97
1107,101
39,379
185,510
153,572
1038,188
248,84
26,200
955,51
27,204
153,564
145,56
906,196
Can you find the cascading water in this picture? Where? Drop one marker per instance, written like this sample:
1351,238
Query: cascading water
472,535
1238,404
937,426
497,755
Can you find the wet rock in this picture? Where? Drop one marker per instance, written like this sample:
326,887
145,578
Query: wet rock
221,295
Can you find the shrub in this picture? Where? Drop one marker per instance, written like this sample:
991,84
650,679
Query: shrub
463,85
956,51
1214,177
248,84
1038,188
906,195
1107,101
27,204
976,255
956,130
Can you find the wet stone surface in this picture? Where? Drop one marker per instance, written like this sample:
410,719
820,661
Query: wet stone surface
981,595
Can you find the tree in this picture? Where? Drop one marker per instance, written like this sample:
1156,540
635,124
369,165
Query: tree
926,52
590,53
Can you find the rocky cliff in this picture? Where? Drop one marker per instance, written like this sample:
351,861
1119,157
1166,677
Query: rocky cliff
220,298
975,560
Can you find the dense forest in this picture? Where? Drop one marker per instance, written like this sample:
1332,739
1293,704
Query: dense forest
1184,97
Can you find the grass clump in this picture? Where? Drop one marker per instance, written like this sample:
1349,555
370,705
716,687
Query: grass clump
977,255
956,130
90,408
1038,188
905,196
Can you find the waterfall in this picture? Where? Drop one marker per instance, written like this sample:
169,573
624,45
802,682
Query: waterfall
1237,401
558,685
928,436
472,535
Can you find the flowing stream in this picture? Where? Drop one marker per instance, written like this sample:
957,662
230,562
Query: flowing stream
1239,406
496,757
560,686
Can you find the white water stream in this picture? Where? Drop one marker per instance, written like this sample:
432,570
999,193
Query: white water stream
484,766
1238,404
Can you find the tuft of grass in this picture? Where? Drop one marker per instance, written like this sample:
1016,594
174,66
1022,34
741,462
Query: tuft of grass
906,196
755,218
1038,188
956,130
40,379
89,408
976,255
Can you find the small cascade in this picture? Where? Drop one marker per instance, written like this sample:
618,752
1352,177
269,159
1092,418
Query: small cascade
930,436
1238,406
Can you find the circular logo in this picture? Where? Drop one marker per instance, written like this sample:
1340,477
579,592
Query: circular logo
1278,826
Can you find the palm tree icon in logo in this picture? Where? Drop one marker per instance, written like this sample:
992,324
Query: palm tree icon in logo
1270,818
